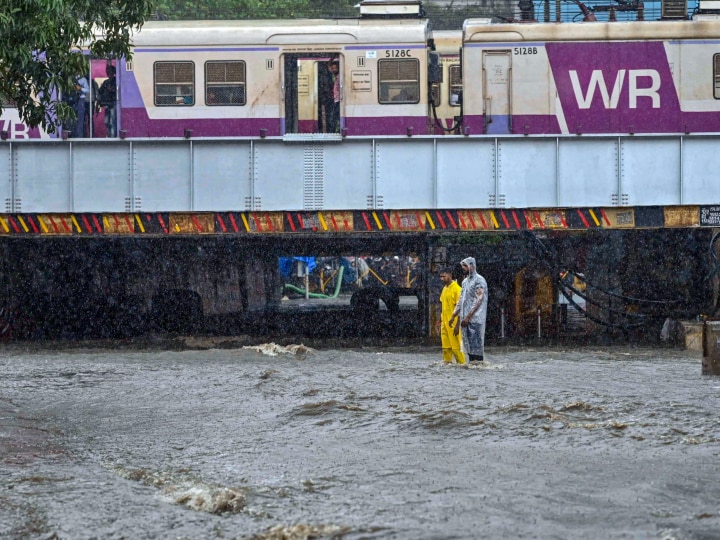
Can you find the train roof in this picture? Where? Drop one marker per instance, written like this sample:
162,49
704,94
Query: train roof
481,30
280,32
447,41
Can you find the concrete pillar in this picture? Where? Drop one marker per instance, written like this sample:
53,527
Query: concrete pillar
711,348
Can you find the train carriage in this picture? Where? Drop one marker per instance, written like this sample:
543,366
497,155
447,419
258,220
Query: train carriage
271,78
396,77
617,77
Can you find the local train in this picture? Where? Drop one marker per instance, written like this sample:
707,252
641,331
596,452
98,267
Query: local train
398,77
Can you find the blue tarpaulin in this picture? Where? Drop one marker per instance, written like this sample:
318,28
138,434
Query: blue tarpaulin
287,264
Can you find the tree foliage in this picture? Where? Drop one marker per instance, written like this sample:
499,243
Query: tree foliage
40,49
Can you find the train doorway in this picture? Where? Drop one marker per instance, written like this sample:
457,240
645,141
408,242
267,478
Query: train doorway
313,90
497,89
98,124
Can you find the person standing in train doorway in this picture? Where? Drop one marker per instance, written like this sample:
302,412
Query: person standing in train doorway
332,98
81,90
471,311
107,97
448,300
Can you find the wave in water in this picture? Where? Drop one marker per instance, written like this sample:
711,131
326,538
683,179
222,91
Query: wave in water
181,488
273,349
302,532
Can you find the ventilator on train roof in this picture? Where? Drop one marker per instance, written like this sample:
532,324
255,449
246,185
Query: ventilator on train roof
391,8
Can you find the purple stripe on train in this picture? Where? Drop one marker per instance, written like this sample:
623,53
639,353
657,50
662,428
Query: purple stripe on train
137,124
387,125
129,90
688,122
615,87
205,49
517,124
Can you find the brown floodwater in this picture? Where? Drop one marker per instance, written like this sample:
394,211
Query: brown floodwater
358,443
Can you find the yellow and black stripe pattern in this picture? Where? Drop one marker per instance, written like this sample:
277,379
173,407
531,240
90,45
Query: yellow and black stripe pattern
355,221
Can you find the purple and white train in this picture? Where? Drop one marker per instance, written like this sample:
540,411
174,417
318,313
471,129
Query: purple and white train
397,77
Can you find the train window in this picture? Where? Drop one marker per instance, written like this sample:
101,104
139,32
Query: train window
399,81
174,83
716,76
225,83
455,85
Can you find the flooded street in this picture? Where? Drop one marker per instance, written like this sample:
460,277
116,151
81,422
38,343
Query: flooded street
366,443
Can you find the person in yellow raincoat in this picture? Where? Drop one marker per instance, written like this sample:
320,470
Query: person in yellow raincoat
448,300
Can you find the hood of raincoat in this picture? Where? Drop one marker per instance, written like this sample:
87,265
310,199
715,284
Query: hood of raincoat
470,263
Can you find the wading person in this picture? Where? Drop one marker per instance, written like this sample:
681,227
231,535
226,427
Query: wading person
471,311
448,300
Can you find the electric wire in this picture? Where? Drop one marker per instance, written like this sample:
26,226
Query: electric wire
456,124
715,272
557,274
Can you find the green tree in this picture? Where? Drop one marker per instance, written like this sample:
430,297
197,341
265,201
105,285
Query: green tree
40,52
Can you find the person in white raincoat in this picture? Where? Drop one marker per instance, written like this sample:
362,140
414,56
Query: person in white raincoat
471,310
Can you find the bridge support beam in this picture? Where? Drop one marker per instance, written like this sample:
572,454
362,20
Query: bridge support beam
418,173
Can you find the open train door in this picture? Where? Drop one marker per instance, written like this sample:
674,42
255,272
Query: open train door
497,90
96,115
290,87
308,94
